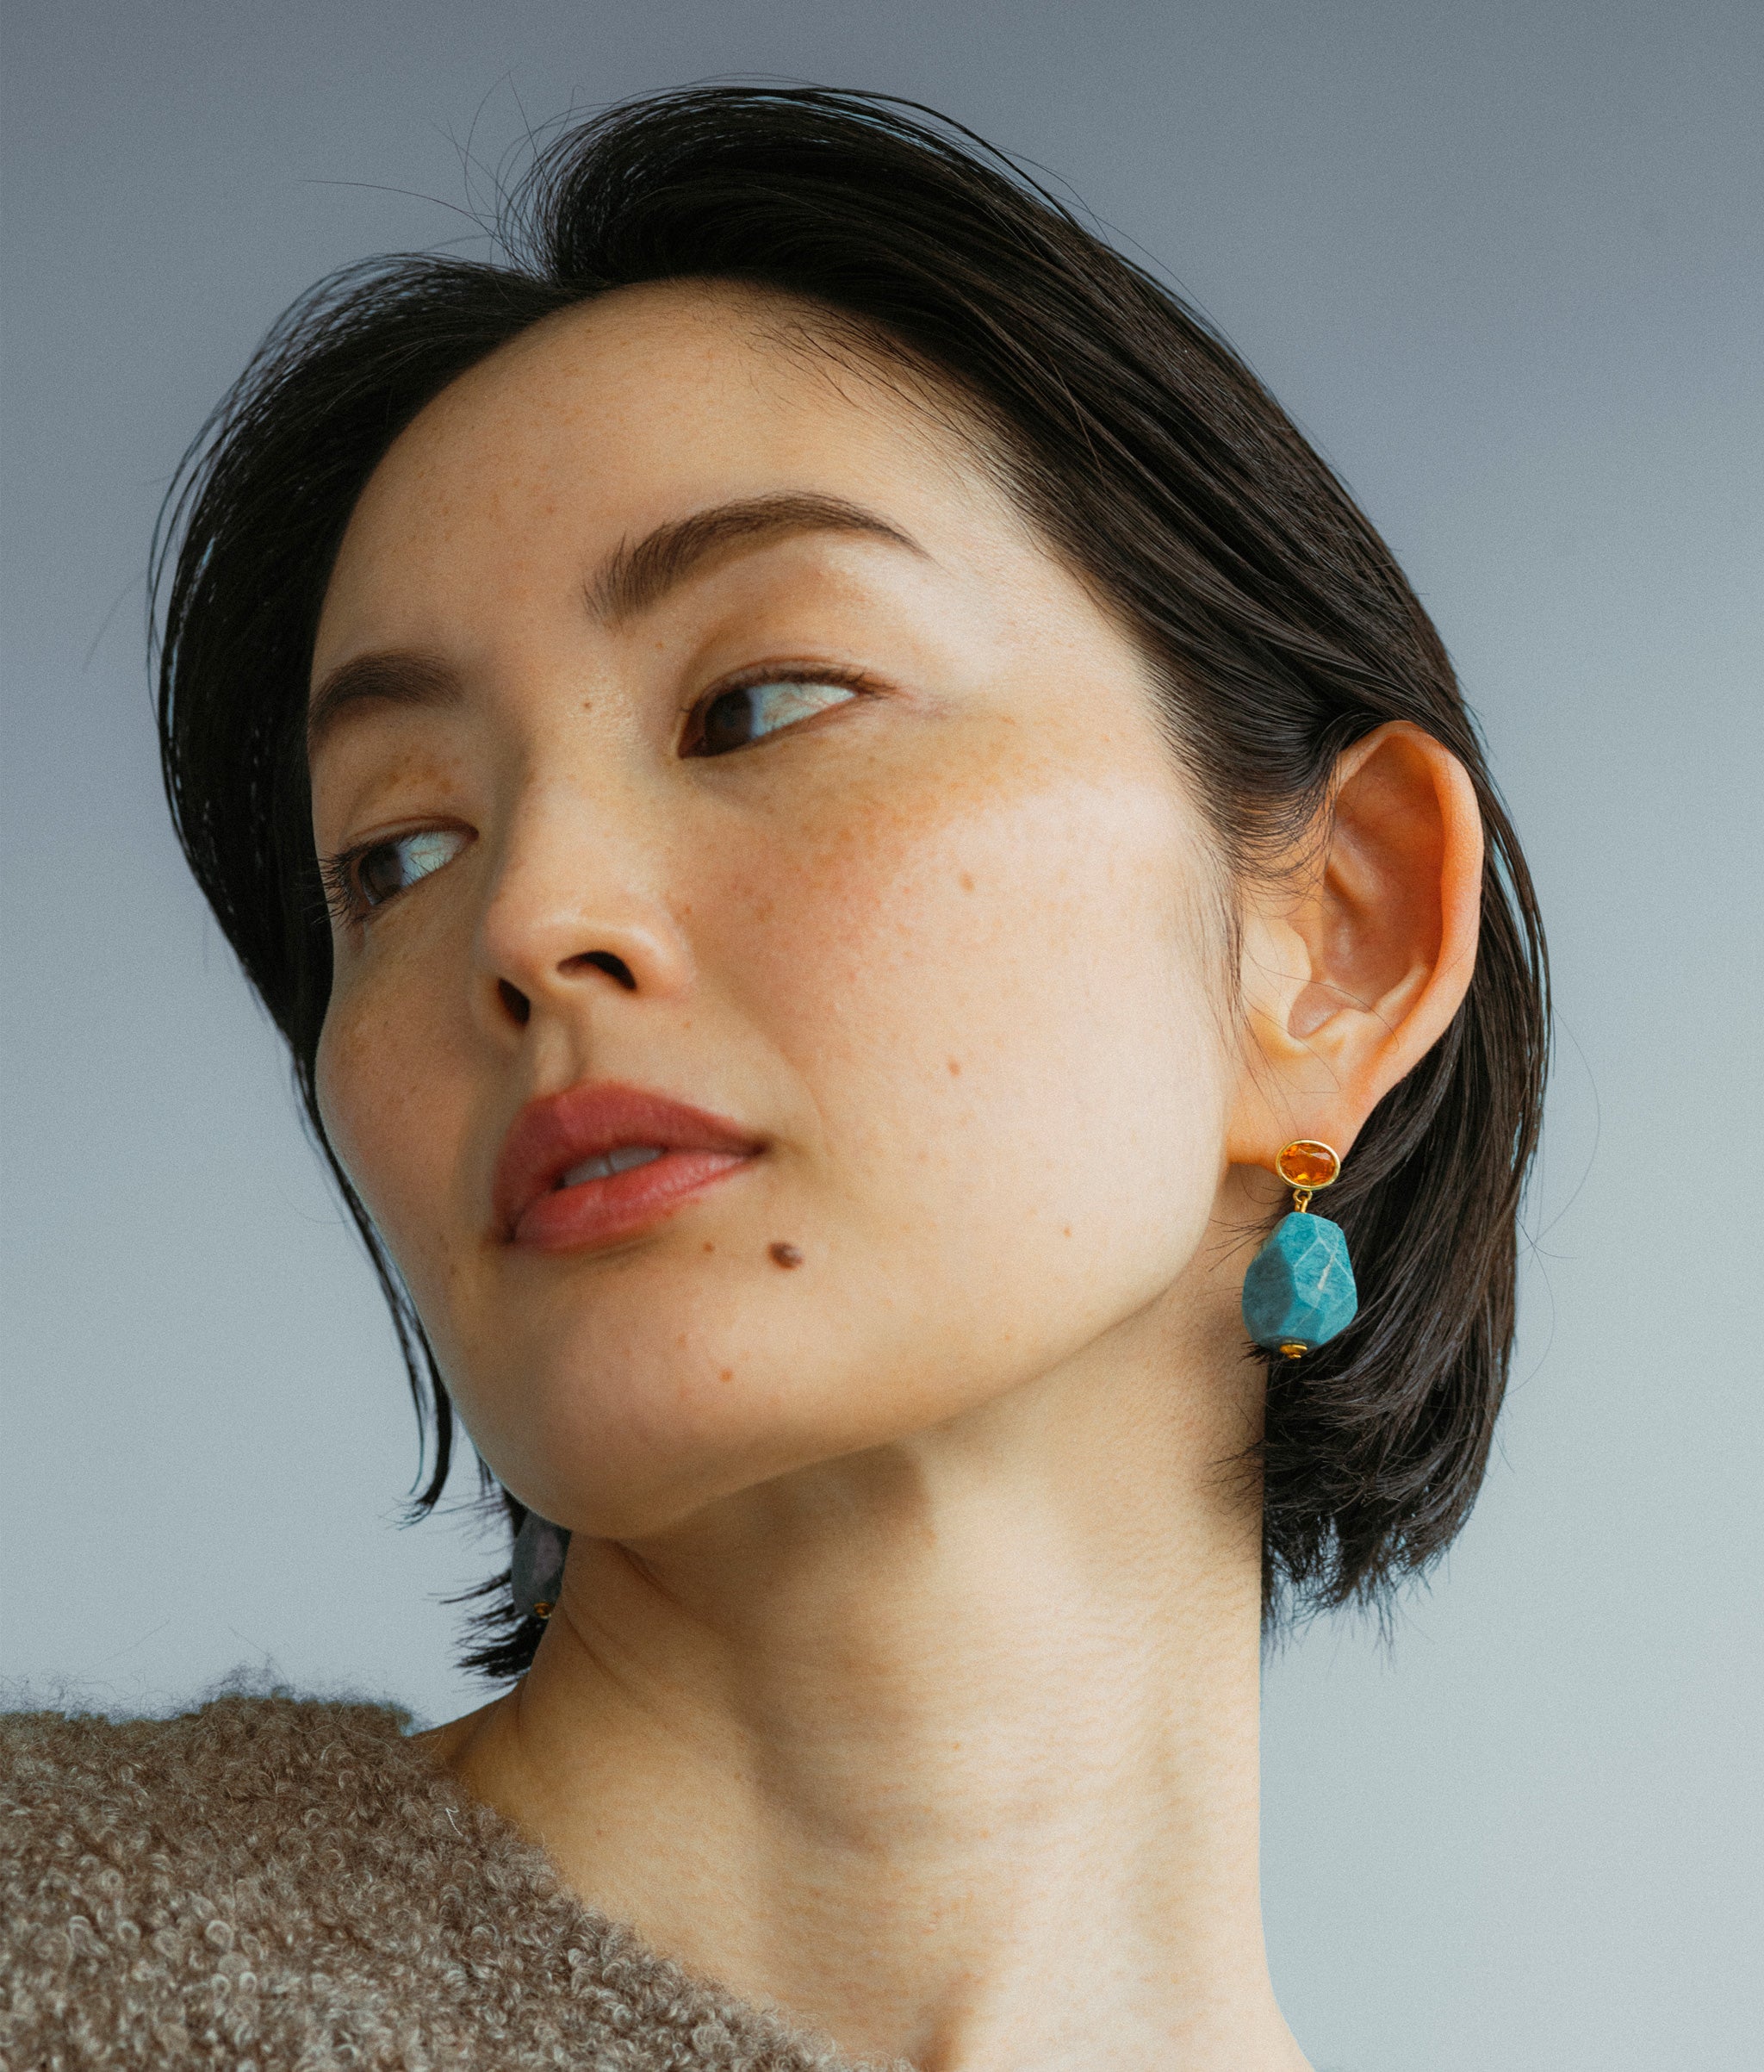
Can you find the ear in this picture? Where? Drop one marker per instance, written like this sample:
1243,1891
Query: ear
1353,967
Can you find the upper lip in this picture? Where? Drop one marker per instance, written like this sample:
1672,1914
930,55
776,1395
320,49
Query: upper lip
560,1130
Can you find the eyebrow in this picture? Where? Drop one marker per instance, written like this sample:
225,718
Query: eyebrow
637,575
394,679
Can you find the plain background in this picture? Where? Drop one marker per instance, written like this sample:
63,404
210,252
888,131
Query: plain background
1502,261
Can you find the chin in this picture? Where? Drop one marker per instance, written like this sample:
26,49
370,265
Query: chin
622,1395
631,1444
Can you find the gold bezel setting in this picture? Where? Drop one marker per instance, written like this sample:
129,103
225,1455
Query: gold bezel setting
1312,1152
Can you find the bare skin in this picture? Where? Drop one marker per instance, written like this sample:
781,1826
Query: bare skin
905,1667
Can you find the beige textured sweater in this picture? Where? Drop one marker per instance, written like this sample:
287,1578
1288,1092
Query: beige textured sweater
272,1884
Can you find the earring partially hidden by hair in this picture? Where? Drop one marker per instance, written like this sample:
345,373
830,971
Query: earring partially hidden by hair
537,1572
1299,1292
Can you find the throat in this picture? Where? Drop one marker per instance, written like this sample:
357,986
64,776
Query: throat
949,1781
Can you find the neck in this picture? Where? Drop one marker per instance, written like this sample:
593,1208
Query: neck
949,1749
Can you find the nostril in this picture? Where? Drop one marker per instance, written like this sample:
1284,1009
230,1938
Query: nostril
519,1008
615,968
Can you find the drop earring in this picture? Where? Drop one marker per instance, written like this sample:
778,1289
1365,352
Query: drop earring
1299,1292
537,1572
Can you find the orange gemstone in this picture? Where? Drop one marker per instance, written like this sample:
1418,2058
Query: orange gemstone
1308,1164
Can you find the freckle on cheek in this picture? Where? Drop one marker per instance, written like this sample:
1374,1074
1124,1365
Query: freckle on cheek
726,1373
968,883
955,1068
787,1255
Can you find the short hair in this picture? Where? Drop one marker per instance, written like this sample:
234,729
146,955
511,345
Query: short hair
1275,624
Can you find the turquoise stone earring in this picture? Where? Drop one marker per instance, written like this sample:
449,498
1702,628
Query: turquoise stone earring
1299,1292
536,1573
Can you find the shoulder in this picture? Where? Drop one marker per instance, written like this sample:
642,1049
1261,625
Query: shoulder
293,1876
292,1883
235,1745
211,1795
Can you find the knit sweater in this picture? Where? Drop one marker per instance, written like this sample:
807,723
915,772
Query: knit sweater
270,1884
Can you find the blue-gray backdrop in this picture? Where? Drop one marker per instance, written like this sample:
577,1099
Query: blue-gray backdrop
1502,259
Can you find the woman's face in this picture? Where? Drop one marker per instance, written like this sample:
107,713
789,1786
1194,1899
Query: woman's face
695,720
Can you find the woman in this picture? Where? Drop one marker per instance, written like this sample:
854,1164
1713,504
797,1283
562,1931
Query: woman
844,824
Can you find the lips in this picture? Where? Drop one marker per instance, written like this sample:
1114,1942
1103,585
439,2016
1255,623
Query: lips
573,1175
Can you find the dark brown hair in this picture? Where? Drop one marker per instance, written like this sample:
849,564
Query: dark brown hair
1279,627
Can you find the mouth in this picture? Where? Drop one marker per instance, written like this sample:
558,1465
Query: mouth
600,1163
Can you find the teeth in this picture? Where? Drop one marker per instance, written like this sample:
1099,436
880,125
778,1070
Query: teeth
628,1155
622,1161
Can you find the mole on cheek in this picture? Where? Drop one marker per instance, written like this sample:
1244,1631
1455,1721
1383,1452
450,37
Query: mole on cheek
787,1255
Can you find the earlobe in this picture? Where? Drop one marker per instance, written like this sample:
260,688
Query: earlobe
1349,980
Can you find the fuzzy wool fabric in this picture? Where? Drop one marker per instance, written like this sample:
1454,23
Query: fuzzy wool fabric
274,1884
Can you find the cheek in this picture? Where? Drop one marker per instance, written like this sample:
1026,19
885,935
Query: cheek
1000,1003
393,1097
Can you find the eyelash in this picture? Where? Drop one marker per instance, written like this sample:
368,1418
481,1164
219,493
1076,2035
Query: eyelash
345,876
340,875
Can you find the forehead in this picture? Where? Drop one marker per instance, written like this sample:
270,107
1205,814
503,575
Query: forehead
626,413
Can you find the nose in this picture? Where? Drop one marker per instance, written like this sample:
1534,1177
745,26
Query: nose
578,905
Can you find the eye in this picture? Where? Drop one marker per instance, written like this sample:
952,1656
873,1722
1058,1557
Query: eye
738,718
363,878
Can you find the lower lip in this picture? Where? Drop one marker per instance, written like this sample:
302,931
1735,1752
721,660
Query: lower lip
602,1212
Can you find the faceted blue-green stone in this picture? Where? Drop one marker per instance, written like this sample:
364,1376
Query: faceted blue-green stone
536,1573
1300,1288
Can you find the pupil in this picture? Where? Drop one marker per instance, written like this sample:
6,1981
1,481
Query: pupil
381,875
729,721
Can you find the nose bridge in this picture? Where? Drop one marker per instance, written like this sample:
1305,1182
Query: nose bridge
579,883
